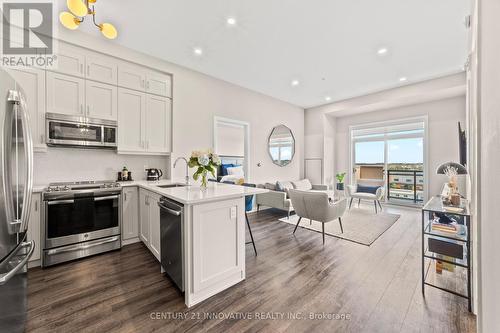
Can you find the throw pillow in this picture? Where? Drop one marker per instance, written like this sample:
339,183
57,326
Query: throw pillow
269,186
303,185
224,167
284,186
235,171
367,189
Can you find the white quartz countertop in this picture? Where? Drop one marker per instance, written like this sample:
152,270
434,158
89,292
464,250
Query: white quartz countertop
187,194
193,194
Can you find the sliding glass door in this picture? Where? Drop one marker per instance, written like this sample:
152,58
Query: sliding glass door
392,156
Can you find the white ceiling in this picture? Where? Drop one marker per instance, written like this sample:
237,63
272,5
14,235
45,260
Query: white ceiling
330,46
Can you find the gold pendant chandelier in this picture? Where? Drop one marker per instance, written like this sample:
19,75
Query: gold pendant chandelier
78,10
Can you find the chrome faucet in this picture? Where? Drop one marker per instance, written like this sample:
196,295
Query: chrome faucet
187,169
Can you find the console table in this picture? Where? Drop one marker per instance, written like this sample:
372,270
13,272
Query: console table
445,246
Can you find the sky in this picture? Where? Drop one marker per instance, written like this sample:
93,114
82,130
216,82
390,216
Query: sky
399,151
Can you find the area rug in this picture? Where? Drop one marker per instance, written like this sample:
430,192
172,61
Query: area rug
361,225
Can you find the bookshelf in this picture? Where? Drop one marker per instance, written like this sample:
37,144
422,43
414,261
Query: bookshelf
446,248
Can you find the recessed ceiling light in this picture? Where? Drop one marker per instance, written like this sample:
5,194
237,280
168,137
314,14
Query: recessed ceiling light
402,79
198,51
295,83
382,51
328,98
231,21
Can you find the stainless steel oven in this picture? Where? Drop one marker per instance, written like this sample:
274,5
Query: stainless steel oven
75,131
80,219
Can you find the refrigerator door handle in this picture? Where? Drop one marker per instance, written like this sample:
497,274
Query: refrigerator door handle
28,156
14,222
4,278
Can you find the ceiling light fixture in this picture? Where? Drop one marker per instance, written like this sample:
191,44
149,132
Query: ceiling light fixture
198,51
295,83
78,9
382,51
328,98
402,79
231,21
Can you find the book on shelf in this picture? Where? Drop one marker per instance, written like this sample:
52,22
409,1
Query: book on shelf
444,266
451,228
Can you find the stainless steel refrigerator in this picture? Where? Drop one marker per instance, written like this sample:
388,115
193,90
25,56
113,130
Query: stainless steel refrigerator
16,187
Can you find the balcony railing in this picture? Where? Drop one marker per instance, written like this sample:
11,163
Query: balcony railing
405,185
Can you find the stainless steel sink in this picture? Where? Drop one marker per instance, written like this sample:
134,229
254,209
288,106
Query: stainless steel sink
172,185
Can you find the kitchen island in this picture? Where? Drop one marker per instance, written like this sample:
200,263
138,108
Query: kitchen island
212,233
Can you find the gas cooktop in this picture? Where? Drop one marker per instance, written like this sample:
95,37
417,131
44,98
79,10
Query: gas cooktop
82,185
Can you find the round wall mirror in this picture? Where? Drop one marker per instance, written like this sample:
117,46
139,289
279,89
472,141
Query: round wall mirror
281,145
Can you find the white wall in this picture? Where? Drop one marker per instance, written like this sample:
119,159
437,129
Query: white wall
442,133
489,155
197,98
318,131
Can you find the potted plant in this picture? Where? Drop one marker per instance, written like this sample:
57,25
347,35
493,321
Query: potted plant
340,180
205,162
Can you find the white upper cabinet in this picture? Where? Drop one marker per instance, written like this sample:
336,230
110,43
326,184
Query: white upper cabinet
32,82
132,77
158,124
158,84
101,68
65,94
131,115
70,60
101,100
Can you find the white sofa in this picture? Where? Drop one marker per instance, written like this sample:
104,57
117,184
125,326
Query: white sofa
278,198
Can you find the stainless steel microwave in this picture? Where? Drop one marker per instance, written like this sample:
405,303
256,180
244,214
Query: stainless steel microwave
75,131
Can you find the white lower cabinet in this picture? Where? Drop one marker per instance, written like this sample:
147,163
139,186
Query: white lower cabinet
130,214
215,248
150,221
34,228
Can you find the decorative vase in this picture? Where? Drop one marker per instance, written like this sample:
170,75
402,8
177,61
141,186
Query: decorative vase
204,180
340,186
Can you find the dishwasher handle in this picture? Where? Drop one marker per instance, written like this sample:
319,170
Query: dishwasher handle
169,210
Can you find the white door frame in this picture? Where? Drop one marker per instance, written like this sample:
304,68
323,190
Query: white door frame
246,127
386,123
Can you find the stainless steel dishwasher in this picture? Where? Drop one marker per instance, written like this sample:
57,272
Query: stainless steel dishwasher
172,241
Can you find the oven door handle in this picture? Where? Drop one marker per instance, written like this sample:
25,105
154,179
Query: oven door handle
82,246
109,197
60,202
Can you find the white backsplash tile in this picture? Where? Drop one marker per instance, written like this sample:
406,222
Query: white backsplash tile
70,164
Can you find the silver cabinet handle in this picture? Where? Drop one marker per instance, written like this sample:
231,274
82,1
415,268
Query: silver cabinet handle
81,69
147,84
169,210
88,70
36,205
81,108
42,138
4,278
142,83
125,196
88,110
110,197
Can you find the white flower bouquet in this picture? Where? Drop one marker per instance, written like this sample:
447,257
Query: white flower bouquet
205,162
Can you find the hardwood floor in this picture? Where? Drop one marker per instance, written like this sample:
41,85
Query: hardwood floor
377,287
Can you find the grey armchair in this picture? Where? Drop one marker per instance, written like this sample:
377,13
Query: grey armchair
375,197
317,206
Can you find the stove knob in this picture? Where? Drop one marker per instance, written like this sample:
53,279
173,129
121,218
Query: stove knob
66,188
117,185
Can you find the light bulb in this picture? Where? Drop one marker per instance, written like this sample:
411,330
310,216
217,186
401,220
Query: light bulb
77,7
108,30
68,20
